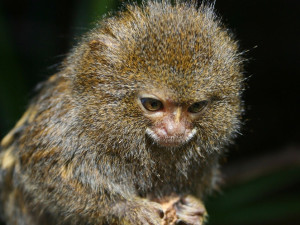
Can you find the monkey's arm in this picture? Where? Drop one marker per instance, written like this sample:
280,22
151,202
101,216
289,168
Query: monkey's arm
67,198
44,183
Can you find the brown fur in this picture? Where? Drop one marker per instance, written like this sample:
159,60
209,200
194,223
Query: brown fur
80,154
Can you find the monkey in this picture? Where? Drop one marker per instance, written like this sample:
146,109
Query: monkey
131,128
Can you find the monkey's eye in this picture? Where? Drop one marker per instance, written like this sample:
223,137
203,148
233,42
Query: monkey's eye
151,104
197,107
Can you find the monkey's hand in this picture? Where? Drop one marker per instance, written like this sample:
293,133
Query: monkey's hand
140,212
186,210
189,211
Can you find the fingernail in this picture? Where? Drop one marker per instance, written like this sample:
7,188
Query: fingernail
161,213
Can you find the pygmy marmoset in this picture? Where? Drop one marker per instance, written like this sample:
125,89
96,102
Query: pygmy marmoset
137,117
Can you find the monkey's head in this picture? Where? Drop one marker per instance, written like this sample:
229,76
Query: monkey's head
163,76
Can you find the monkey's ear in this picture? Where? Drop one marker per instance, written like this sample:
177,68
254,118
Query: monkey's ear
102,43
105,50
95,45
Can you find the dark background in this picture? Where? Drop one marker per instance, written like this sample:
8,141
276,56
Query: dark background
262,171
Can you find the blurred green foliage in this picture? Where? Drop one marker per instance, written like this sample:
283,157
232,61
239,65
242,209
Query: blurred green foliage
12,84
267,199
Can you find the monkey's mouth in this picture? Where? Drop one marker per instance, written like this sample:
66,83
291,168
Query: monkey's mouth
166,140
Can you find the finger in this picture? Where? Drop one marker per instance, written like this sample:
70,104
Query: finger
189,220
161,213
192,211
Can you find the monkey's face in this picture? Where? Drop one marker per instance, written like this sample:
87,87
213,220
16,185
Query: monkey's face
172,122
169,74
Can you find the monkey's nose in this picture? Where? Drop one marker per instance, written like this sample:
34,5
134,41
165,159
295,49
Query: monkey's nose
174,128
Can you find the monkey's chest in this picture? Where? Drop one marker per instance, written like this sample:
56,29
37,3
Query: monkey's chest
165,181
